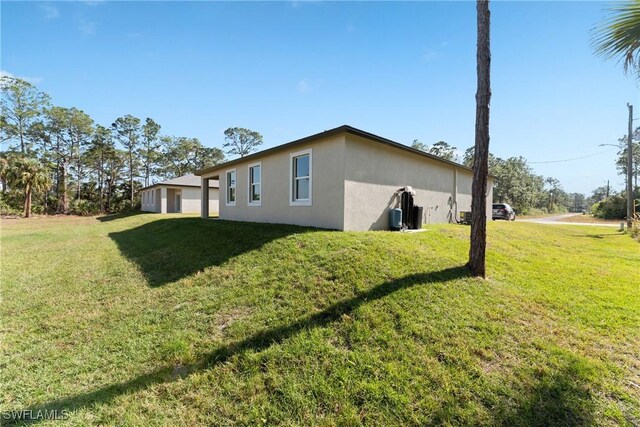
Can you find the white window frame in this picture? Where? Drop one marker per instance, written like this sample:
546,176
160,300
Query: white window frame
249,185
226,187
301,202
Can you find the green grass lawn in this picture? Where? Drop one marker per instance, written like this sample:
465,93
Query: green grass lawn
171,320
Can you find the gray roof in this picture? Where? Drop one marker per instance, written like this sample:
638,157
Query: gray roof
185,181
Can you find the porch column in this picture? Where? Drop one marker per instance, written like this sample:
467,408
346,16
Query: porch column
204,207
163,200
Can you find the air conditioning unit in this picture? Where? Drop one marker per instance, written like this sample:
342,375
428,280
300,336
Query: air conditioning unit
465,217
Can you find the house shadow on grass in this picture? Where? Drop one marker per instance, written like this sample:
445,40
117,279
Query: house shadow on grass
172,248
259,341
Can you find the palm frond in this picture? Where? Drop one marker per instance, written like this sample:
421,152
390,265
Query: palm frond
618,37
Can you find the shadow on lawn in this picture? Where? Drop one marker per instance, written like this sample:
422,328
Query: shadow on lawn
257,342
113,217
560,398
600,235
172,248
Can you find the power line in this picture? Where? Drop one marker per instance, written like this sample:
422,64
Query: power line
574,158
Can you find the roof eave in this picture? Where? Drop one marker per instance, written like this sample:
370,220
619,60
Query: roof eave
331,132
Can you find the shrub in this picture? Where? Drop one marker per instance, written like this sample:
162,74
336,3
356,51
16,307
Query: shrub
83,207
37,209
13,201
533,211
613,207
6,209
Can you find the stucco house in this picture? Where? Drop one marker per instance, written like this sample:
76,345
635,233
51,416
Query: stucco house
343,179
179,195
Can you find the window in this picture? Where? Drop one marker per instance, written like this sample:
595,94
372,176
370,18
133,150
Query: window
255,184
231,187
301,173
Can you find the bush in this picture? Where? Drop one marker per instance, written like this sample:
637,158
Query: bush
533,211
83,208
13,201
37,209
613,207
6,209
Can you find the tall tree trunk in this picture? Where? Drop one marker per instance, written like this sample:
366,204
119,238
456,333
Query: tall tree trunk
27,201
131,176
63,202
100,183
58,169
79,174
22,148
477,252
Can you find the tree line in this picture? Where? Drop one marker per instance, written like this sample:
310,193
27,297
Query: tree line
59,160
529,193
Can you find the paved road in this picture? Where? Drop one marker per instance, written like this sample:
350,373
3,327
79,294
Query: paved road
556,219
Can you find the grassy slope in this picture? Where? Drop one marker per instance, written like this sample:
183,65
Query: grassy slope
155,320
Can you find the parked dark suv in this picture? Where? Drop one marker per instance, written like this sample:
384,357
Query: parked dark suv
503,211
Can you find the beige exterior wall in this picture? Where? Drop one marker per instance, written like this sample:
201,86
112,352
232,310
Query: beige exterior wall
189,199
374,172
327,188
354,181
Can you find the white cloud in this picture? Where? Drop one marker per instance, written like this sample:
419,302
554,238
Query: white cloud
307,85
429,55
304,86
50,11
32,80
87,27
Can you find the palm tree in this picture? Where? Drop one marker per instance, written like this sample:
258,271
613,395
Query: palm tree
619,35
478,248
31,175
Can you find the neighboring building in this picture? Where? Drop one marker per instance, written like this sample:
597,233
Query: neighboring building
344,179
182,194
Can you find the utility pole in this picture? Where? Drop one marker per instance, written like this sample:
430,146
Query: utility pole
629,167
607,189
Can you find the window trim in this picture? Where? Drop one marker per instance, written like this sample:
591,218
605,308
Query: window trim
250,184
226,187
301,202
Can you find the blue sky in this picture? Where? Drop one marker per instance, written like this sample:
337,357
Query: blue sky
404,71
